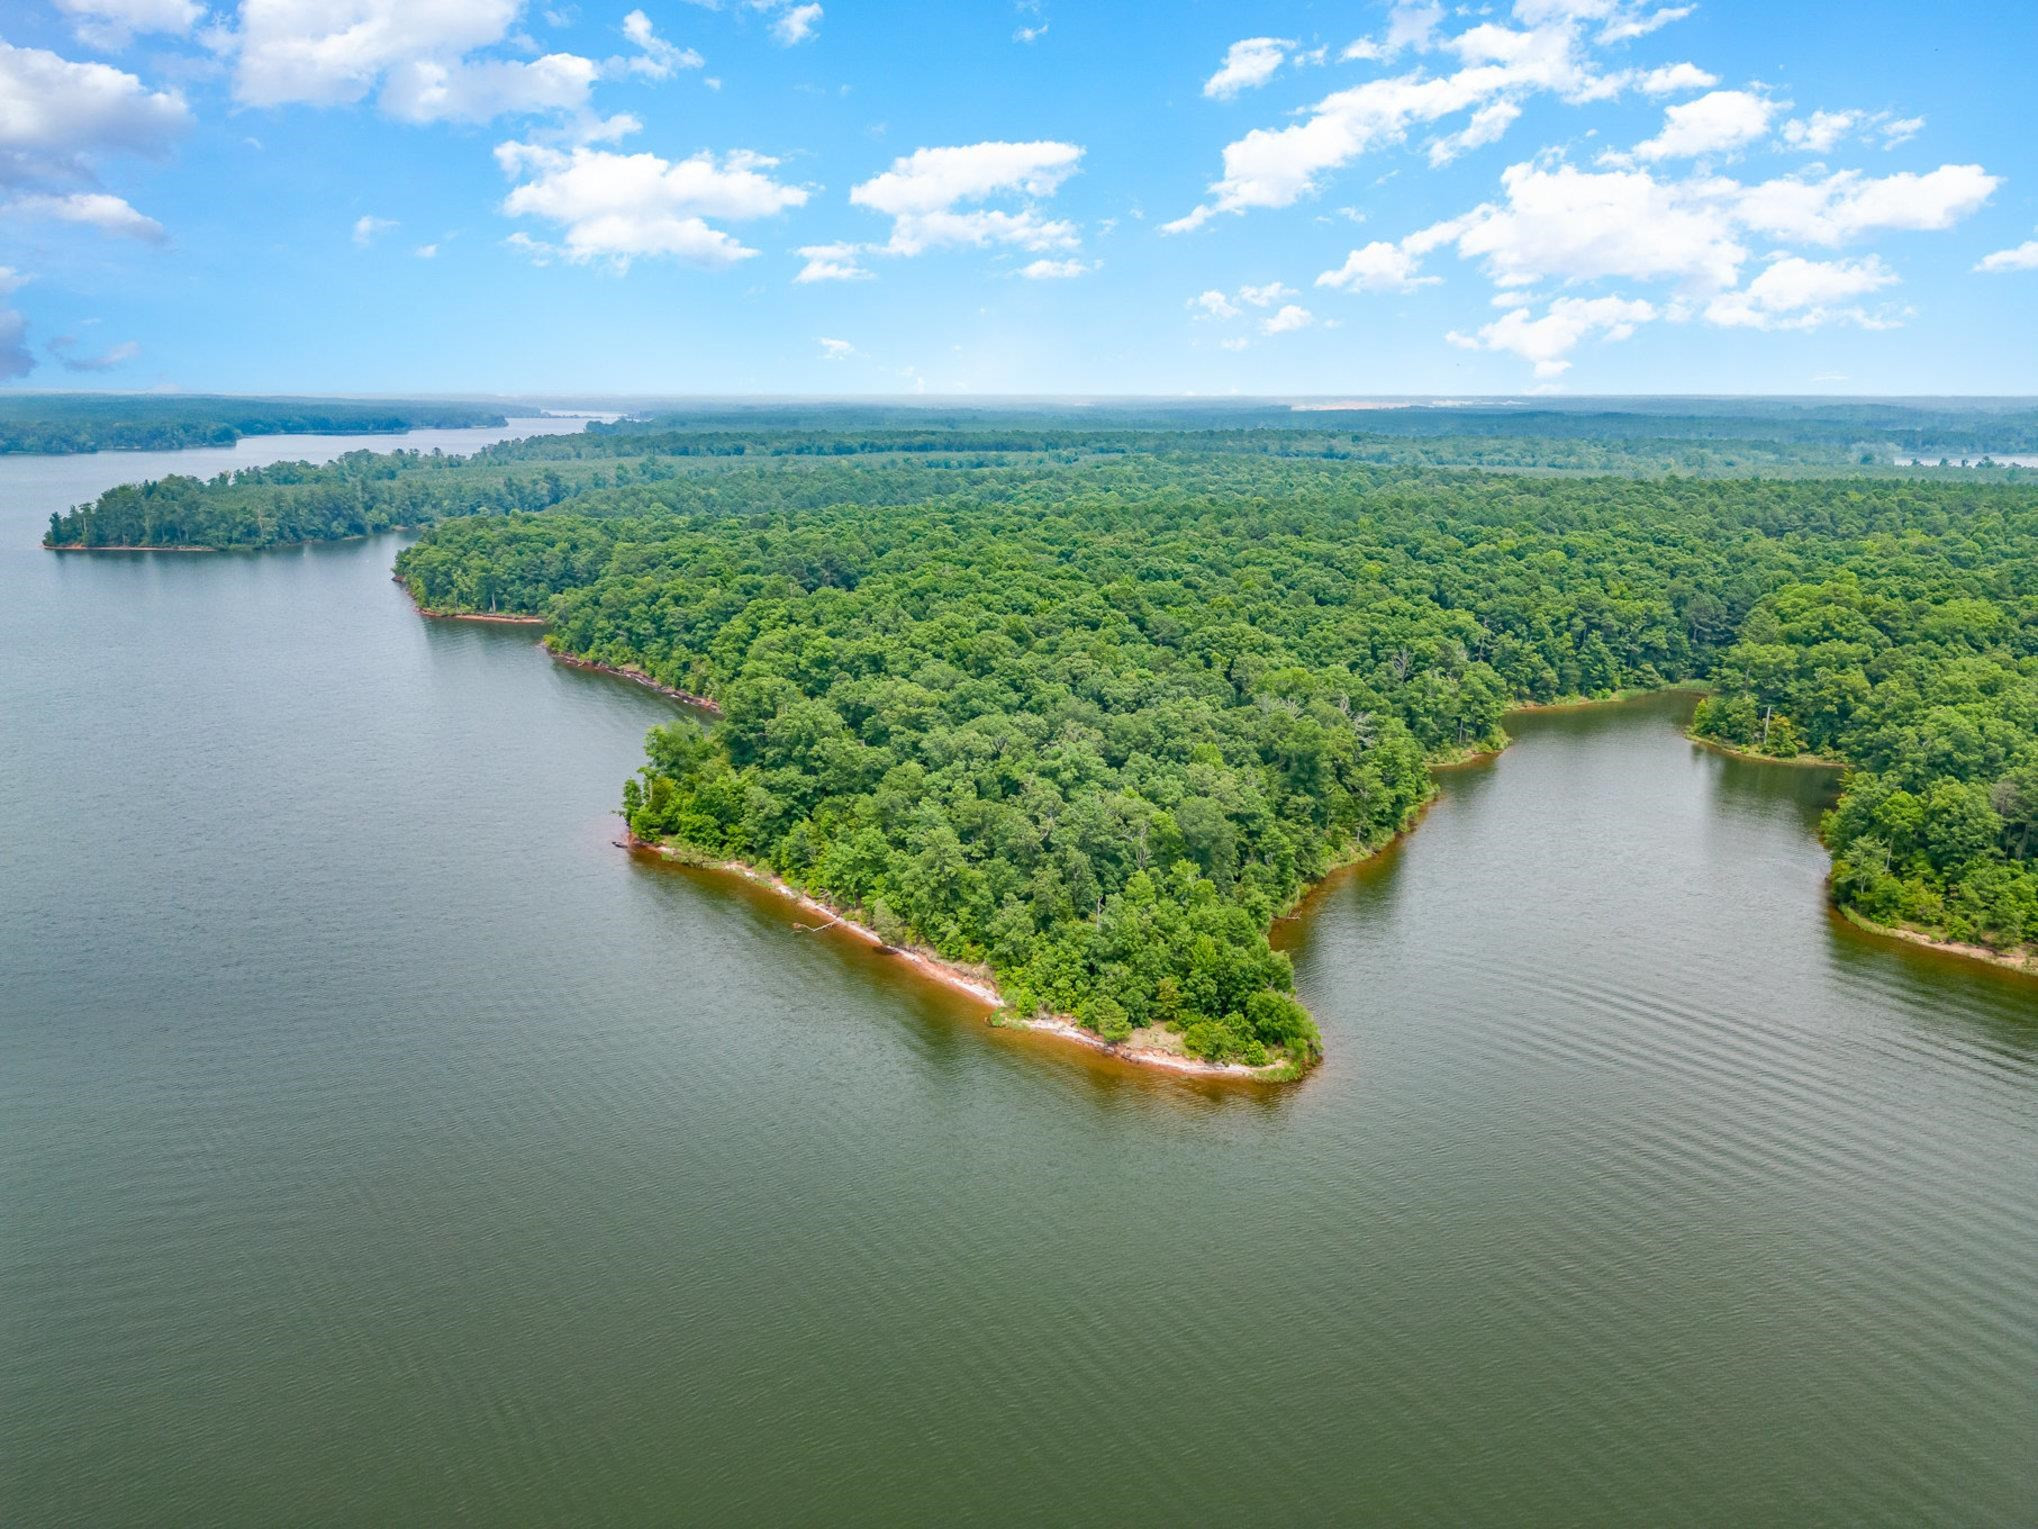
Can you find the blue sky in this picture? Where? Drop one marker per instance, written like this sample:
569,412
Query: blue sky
854,196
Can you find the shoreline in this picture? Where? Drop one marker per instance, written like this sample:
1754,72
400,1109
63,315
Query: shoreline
119,547
634,676
1799,761
973,983
2020,965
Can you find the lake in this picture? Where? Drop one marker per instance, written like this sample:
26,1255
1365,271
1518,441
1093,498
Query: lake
382,1146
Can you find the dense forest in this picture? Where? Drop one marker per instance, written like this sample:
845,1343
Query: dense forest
74,422
1092,707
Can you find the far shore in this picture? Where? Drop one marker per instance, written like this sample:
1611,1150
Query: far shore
974,983
118,547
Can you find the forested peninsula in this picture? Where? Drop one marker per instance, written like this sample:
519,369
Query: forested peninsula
65,423
1091,707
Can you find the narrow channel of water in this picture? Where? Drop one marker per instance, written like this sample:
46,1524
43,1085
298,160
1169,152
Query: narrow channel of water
382,1146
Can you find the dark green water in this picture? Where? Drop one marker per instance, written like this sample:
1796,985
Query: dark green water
378,1145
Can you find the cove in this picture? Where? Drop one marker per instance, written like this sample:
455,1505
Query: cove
382,1145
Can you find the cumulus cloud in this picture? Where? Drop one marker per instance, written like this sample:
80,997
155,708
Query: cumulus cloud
1577,225
418,53
618,207
657,58
2024,257
832,262
1673,79
926,194
1794,293
1716,123
1292,316
368,228
1265,296
1487,125
57,117
793,24
1248,64
1695,236
1846,204
114,23
1213,305
1276,167
836,350
1547,342
93,209
1824,131
1378,267
1053,270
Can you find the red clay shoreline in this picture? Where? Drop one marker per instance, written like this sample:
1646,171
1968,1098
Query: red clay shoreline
974,983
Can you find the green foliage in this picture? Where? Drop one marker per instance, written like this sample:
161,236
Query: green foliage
75,422
1089,704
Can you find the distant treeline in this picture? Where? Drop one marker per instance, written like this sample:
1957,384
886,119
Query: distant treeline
59,423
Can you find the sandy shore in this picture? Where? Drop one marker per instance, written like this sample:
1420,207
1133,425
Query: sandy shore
2025,965
972,982
489,618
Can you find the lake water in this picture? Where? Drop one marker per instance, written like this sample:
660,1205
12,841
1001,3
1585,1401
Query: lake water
378,1145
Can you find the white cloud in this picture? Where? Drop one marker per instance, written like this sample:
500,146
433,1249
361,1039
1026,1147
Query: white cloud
1235,342
56,116
1716,123
657,58
1500,65
1547,342
1487,125
1632,23
922,193
425,90
1568,224
368,228
332,52
1265,296
1848,204
1053,270
1673,79
2024,257
1291,317
1213,305
1030,34
113,23
621,206
1248,64
1794,293
1824,131
1378,267
836,350
795,24
426,252
94,209
832,262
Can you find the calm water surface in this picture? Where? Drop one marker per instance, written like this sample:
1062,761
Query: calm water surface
380,1146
